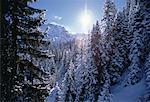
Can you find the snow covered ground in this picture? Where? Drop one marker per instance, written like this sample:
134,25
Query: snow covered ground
128,94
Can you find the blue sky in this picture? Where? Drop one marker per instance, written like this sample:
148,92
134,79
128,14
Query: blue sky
67,12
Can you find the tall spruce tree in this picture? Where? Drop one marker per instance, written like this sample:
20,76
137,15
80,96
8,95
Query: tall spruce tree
87,76
24,78
68,93
92,82
107,45
96,51
108,18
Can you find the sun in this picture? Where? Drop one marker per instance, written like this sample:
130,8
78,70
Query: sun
85,19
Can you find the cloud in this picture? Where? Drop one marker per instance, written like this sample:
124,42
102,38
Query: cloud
57,17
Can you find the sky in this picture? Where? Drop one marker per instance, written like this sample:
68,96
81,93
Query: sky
77,16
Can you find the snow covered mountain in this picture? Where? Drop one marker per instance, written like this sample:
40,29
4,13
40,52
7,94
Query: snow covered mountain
56,33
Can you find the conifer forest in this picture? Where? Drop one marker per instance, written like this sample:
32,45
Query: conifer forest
42,61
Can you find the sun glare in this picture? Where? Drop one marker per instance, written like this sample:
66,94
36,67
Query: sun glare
85,20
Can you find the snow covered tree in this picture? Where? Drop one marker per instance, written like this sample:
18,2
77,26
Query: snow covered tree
106,42
145,9
105,95
109,16
91,83
64,62
107,24
95,47
87,76
27,79
147,76
120,61
138,25
67,93
80,73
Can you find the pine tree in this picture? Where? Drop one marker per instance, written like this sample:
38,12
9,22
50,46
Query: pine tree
95,47
63,64
107,24
120,60
107,44
79,80
92,78
105,95
145,9
147,74
67,93
29,81
109,16
138,29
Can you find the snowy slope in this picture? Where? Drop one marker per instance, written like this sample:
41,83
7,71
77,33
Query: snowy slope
128,94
